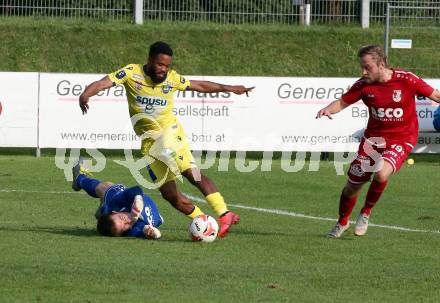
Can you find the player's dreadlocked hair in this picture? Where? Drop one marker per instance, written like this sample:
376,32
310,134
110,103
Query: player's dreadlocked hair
160,47
105,225
375,51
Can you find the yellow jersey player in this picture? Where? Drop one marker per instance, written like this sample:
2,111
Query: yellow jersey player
150,89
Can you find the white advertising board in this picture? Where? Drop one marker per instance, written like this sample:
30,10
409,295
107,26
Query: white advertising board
18,109
107,124
278,115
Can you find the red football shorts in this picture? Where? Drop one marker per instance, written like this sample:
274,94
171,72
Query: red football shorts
371,154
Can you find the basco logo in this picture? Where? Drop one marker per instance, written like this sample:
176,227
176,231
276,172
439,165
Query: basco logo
381,112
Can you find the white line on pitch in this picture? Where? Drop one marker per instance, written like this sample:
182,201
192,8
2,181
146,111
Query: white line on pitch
258,209
297,215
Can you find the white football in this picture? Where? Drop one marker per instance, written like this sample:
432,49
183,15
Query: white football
203,228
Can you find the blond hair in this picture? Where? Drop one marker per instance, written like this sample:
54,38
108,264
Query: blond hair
375,51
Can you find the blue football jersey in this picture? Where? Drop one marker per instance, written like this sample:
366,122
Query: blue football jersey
118,198
149,216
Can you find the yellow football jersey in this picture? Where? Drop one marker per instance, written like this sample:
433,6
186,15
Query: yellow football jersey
150,103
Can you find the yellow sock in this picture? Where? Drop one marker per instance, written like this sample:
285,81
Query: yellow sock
196,212
217,203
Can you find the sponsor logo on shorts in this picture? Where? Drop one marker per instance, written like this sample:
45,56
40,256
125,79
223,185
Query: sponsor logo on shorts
356,170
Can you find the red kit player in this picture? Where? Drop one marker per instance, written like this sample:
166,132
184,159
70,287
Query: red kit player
390,135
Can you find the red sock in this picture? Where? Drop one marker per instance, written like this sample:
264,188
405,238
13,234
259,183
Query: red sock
346,205
374,192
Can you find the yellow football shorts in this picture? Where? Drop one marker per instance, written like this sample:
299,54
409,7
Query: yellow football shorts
168,154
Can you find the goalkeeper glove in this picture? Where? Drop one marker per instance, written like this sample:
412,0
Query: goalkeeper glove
152,232
137,207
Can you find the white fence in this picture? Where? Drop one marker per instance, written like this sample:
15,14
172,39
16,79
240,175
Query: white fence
96,9
278,116
215,11
403,43
253,12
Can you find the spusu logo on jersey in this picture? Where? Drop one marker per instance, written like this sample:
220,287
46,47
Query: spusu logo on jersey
387,114
151,103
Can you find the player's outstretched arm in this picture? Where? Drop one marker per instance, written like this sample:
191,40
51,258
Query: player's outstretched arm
212,87
92,90
333,108
435,96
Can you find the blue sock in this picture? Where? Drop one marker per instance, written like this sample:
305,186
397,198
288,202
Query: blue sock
88,184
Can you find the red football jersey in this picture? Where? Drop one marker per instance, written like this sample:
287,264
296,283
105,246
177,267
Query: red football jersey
391,105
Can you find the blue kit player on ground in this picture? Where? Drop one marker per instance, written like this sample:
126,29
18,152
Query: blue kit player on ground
123,211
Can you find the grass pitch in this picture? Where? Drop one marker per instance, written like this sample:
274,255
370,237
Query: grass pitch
50,251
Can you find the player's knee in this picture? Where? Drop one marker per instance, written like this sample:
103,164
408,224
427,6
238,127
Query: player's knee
348,192
381,176
105,185
102,188
194,176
